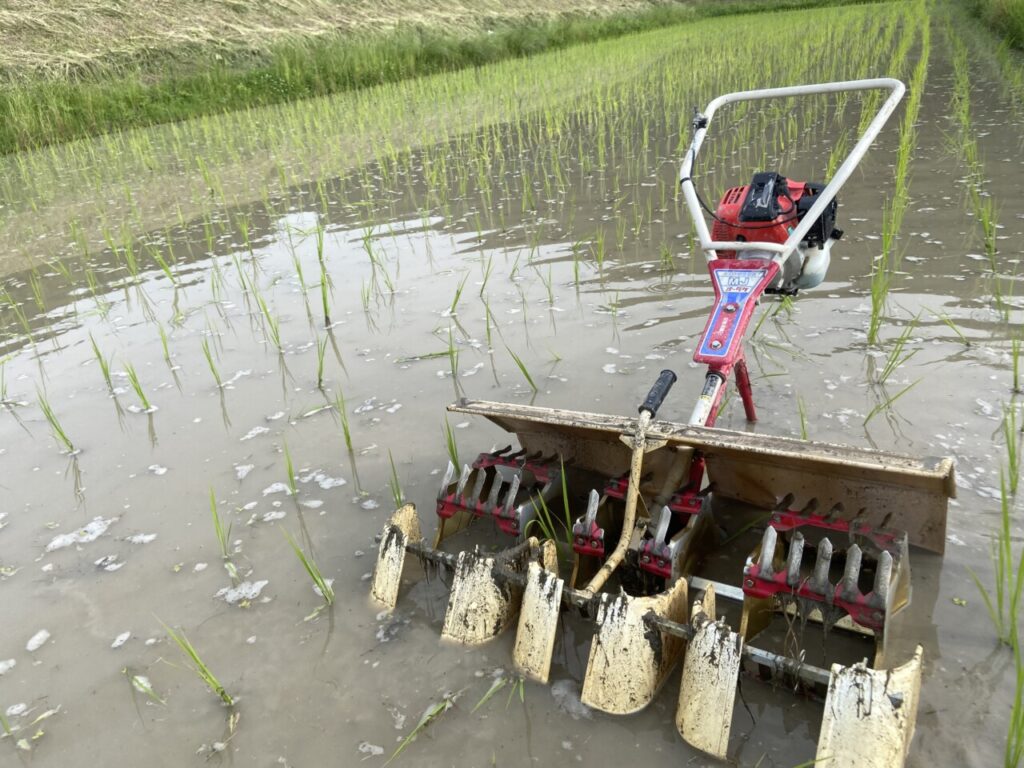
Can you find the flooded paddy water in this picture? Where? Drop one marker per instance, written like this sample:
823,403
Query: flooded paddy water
521,241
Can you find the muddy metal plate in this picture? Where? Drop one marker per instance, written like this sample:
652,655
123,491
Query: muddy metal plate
879,489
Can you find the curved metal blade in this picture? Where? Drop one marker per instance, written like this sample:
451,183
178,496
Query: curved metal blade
869,715
401,529
628,661
710,676
538,623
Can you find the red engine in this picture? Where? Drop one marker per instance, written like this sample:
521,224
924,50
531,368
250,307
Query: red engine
768,209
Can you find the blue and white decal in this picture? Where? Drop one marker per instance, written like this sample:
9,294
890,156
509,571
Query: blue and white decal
735,287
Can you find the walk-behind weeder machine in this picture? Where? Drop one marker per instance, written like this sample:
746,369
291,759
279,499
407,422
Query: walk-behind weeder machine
795,533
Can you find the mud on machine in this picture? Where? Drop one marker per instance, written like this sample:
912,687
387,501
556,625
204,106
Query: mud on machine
672,518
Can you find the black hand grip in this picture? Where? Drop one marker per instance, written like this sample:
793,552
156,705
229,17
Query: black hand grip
658,392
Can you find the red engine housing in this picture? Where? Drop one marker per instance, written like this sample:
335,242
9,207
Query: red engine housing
728,226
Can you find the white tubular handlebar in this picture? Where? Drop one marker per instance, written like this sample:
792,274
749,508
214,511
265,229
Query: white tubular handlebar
896,90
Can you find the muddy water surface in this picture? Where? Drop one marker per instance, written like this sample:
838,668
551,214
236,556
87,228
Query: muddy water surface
104,547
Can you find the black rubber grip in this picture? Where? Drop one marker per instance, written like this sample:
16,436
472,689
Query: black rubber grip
658,392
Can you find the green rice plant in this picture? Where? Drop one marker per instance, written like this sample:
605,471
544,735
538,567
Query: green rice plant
211,363
953,327
896,358
522,368
396,488
198,666
888,403
449,441
271,323
1015,349
431,715
315,574
133,378
223,534
163,343
51,418
499,682
321,351
453,357
452,310
1004,607
1012,436
103,362
339,406
1014,753
487,274
803,416
324,296
141,684
293,488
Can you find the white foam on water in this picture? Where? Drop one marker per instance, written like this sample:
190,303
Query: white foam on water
37,640
87,533
247,590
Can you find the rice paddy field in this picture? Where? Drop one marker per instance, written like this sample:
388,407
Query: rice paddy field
226,346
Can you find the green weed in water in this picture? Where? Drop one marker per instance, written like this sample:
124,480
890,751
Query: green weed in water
315,574
888,403
449,441
104,363
1004,606
396,488
293,488
339,406
223,534
198,666
321,351
523,369
51,418
211,363
133,377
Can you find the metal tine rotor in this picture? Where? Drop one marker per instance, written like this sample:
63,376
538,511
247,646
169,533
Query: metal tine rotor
764,561
819,580
449,475
848,586
796,556
883,577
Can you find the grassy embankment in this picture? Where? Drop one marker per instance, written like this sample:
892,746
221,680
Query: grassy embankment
1006,17
65,76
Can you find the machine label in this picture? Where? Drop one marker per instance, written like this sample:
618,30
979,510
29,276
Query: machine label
735,283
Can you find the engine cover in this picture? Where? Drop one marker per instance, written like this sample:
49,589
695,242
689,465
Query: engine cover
768,209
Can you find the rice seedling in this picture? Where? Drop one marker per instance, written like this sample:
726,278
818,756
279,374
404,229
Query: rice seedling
339,407
449,441
223,534
896,358
452,310
955,328
321,351
1015,349
522,369
1012,437
198,666
803,416
133,379
293,488
324,296
1014,753
1004,606
433,712
103,363
315,574
163,343
271,323
141,684
887,404
55,426
499,682
211,363
393,483
453,357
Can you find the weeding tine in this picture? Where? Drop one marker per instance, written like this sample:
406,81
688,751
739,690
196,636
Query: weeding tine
478,486
796,555
819,581
663,520
882,578
492,498
513,491
592,501
463,479
446,481
852,572
764,562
